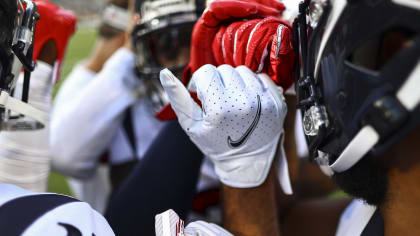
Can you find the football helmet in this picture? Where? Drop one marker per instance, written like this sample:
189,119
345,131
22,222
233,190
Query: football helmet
18,20
162,39
55,24
357,77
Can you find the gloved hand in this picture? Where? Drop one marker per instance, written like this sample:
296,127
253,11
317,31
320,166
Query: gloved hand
263,45
168,223
240,122
218,13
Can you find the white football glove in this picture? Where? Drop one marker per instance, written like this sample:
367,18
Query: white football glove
168,223
239,125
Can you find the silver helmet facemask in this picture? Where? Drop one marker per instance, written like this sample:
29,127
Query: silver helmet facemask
162,40
16,54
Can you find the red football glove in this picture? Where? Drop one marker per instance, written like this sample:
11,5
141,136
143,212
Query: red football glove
264,46
56,24
222,12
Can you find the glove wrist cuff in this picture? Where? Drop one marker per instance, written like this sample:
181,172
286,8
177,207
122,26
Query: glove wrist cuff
247,171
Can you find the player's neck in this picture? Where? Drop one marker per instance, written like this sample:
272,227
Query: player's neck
401,212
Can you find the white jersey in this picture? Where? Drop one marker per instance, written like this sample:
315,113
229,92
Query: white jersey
88,115
27,213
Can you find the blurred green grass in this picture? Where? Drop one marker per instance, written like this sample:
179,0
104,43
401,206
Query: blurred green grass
78,49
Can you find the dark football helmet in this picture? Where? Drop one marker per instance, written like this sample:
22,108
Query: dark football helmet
358,76
162,40
17,26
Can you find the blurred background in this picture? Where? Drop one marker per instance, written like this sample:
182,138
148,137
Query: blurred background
88,14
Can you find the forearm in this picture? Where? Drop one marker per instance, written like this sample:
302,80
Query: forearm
89,120
251,211
103,50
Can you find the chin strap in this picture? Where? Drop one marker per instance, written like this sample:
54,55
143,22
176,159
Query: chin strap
10,103
368,137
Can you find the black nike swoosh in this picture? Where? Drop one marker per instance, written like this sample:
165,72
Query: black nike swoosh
244,138
71,230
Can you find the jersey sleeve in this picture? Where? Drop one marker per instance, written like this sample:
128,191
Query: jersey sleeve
86,116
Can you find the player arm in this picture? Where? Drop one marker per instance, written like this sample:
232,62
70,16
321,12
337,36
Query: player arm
251,211
258,211
84,124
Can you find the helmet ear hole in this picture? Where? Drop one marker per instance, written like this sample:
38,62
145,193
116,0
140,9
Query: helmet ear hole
393,41
375,53
366,55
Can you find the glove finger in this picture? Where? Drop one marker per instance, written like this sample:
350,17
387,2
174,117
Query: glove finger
231,78
228,42
205,29
217,45
282,57
168,223
208,84
274,90
241,40
201,41
259,39
249,78
184,106
222,10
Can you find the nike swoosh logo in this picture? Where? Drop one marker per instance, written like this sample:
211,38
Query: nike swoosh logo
71,230
244,138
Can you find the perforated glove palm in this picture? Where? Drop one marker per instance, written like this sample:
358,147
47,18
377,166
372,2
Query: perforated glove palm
240,122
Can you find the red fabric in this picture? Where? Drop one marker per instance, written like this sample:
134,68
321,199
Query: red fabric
217,46
228,41
281,68
56,24
218,13
206,199
260,38
242,40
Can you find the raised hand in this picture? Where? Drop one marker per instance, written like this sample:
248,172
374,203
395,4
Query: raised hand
240,122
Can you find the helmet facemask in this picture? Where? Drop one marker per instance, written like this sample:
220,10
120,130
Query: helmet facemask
16,54
162,40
